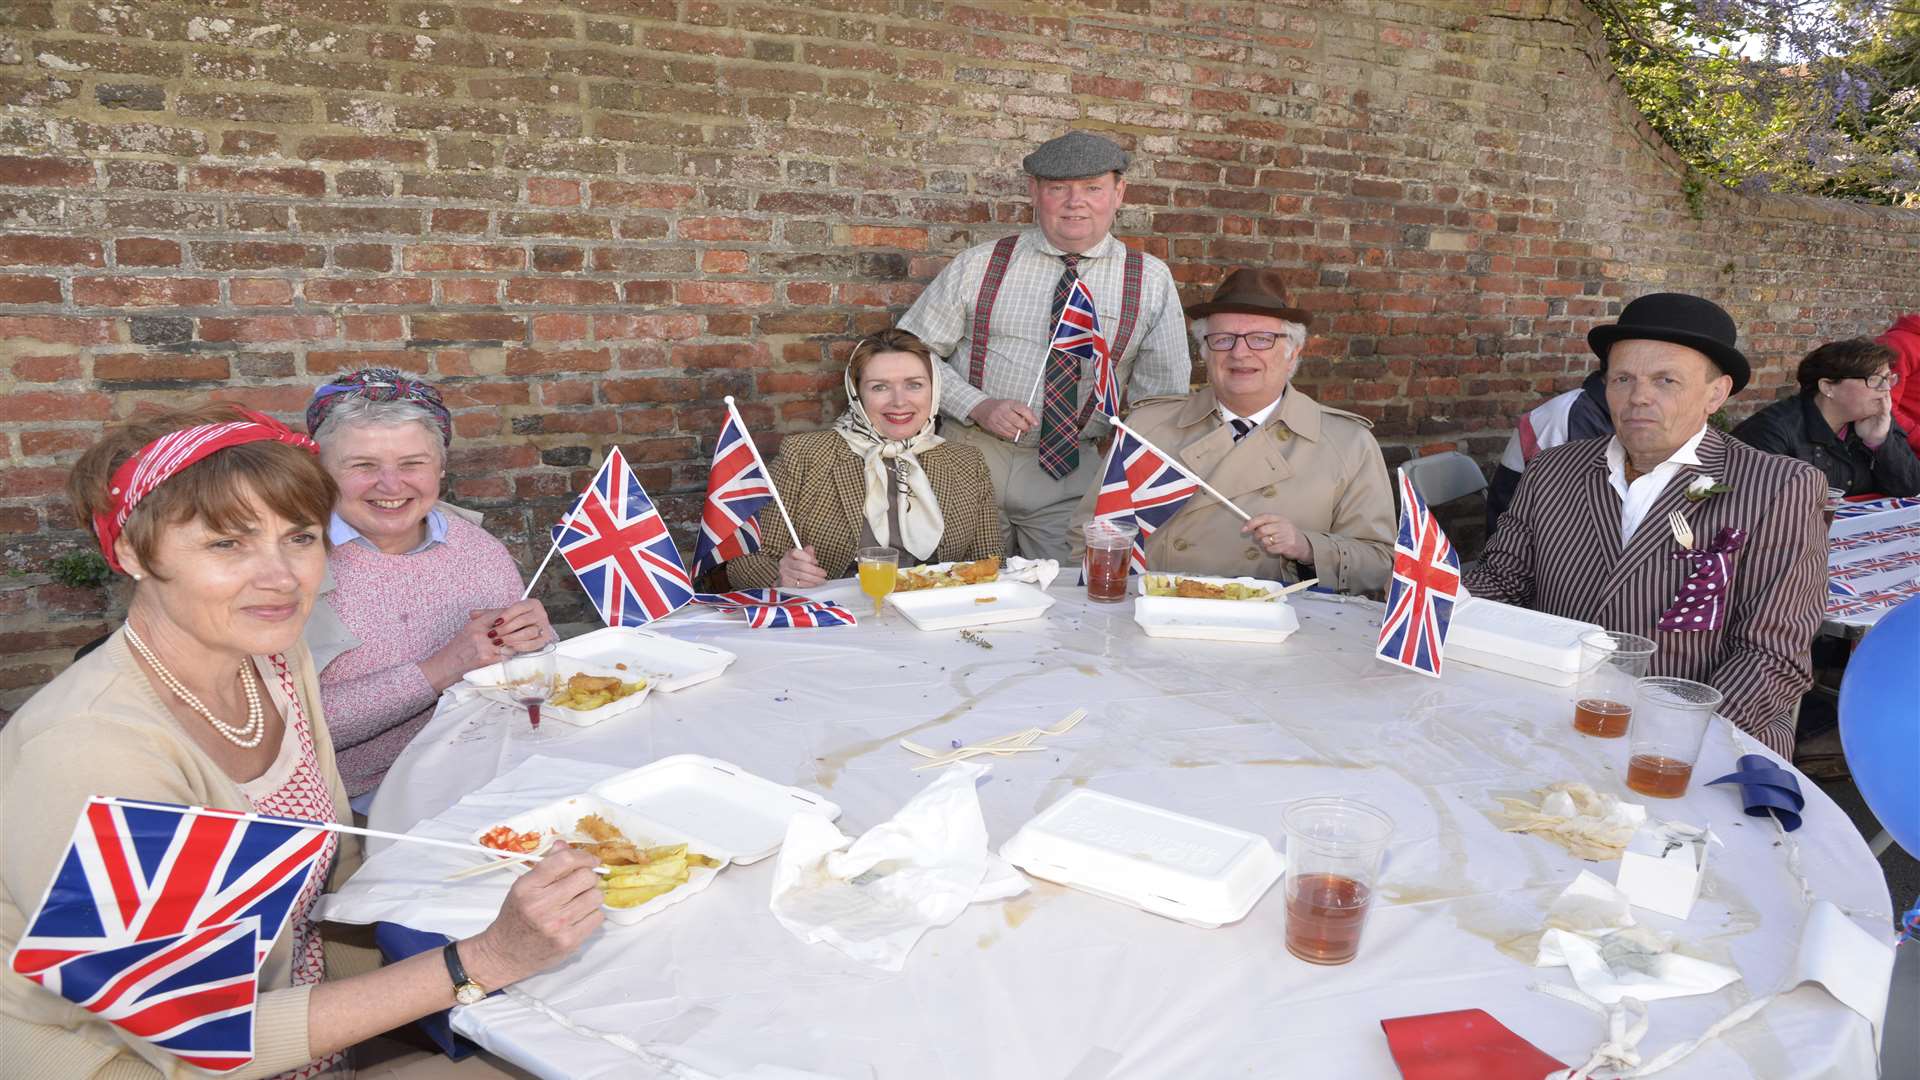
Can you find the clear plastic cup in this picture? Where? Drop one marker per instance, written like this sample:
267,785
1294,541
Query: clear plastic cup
1334,849
1610,664
1109,550
1670,718
1836,498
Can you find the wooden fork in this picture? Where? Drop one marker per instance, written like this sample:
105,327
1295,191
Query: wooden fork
1682,532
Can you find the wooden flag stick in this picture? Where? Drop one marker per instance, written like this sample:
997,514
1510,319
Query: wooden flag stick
327,826
771,486
553,546
1204,486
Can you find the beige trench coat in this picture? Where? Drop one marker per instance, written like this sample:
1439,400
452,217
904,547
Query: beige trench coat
1318,467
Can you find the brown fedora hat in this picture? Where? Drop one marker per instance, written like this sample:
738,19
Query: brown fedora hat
1251,292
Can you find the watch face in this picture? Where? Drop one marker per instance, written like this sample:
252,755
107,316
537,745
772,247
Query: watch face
469,993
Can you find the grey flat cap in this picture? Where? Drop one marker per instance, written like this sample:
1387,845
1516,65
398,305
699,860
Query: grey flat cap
1074,155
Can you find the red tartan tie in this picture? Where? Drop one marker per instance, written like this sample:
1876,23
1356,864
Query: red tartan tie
1059,436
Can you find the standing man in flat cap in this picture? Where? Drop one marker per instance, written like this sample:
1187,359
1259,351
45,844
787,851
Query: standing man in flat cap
991,315
1588,534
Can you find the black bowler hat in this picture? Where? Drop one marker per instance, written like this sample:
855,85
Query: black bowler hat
1693,321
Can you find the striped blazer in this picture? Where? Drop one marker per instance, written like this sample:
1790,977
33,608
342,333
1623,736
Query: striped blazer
1558,550
824,486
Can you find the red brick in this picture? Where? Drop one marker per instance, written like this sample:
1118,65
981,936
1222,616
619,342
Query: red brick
269,328
45,172
561,291
260,292
555,224
725,262
364,148
146,251
403,290
469,291
56,328
878,236
546,191
363,257
373,327
18,519
553,259
640,196
468,327
23,289
568,327
430,257
331,361
460,221
285,181
21,250
519,24
645,327
45,368
160,367
55,443
358,220
540,361
723,228
258,255
145,291
723,292
44,406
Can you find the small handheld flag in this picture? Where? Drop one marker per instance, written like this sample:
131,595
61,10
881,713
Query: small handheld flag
737,490
771,608
621,551
1078,334
1144,486
1426,581
160,916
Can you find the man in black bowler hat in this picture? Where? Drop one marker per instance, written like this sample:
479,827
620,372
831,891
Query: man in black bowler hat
1590,534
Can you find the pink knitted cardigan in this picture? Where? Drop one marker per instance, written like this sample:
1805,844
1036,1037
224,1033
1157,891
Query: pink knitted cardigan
403,608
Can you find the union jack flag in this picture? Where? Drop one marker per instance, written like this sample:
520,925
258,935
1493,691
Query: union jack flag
767,608
1426,581
621,550
737,489
159,917
1144,486
1078,334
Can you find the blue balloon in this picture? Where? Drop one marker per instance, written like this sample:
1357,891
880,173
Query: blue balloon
1880,722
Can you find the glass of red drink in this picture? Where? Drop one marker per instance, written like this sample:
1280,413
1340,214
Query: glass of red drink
1670,721
1836,498
528,677
1334,849
1109,553
1610,663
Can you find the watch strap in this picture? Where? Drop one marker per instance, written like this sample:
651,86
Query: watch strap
455,968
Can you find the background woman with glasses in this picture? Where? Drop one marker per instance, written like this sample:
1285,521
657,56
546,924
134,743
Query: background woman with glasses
1842,421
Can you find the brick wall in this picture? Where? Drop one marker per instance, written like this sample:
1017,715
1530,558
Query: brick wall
589,219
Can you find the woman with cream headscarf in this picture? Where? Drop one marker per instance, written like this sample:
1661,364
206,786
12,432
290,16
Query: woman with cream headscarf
880,478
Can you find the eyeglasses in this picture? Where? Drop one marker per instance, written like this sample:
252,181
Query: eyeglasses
1886,380
1258,342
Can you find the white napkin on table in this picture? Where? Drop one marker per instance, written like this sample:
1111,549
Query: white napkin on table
1039,572
873,898
1591,932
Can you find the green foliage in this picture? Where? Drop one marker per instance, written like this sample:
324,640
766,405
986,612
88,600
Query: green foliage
1820,97
81,570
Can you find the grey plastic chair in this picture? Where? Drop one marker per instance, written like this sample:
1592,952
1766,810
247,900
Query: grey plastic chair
1445,476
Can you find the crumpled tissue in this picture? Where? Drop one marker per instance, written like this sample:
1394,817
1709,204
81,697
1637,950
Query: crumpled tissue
1591,932
873,898
1588,824
1040,572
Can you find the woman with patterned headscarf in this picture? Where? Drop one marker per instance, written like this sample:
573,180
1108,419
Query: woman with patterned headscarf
419,593
880,478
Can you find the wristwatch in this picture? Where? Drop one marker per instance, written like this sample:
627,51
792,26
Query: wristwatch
465,990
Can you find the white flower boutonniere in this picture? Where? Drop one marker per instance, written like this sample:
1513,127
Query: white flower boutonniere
1705,487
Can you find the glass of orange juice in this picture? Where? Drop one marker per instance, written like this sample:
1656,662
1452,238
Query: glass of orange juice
879,567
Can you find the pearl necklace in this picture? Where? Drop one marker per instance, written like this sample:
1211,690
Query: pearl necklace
246,737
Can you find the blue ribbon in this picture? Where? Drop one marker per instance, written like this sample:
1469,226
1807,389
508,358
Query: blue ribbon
1767,789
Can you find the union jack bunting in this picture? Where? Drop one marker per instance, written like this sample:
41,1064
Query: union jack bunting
1078,334
621,550
737,489
1141,485
771,608
159,917
1426,581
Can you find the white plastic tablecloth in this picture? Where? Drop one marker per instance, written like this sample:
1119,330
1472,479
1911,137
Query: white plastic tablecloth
1060,984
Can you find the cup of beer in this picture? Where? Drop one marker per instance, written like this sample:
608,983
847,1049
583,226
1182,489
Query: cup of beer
1334,848
1109,548
1610,664
1670,718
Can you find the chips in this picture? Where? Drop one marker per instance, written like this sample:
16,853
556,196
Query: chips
635,874
1194,588
978,572
585,693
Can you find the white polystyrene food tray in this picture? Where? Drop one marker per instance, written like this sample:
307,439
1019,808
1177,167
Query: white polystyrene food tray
1273,588
1215,620
562,816
1516,641
1161,862
489,677
971,605
667,663
718,803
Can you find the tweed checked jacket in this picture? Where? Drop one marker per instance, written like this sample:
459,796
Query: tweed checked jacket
823,484
1558,550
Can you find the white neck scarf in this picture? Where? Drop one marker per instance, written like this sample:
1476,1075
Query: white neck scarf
921,523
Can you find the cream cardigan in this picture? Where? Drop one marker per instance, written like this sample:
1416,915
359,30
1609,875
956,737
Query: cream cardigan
99,729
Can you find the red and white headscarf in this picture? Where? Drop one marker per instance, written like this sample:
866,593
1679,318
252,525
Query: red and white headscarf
139,475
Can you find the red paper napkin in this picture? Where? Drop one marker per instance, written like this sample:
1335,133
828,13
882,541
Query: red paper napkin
1464,1045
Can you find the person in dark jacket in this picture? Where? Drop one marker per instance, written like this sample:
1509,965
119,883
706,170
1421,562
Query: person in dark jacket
1580,413
1842,421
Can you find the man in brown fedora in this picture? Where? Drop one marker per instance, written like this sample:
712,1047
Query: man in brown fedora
1311,476
991,314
